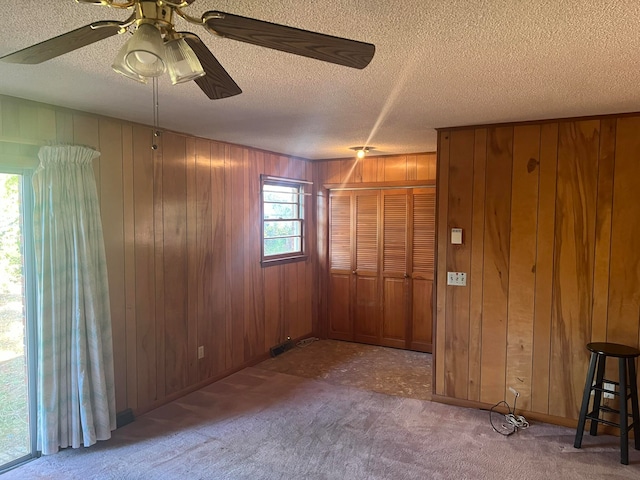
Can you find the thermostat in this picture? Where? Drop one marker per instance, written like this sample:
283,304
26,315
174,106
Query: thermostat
456,236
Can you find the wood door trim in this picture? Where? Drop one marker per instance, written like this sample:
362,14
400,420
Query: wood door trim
406,184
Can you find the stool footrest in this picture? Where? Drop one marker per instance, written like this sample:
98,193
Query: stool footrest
604,408
605,390
595,418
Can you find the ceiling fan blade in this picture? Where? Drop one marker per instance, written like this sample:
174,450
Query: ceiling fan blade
327,48
64,43
217,83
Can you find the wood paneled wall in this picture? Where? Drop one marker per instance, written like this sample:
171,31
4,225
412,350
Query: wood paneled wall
380,170
551,219
182,238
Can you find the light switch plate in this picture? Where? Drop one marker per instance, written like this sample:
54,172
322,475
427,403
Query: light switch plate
458,279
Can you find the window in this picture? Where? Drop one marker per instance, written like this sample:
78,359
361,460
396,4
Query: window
282,219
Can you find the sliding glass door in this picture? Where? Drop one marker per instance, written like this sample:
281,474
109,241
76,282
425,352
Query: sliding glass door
17,396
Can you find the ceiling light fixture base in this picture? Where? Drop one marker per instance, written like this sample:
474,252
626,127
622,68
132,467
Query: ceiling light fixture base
361,151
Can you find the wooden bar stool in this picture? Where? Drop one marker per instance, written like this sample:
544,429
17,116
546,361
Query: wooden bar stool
628,389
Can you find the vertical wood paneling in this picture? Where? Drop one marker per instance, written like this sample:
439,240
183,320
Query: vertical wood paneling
158,225
476,243
112,213
544,267
310,265
380,168
216,287
290,310
235,260
395,168
64,126
129,267
442,212
46,124
426,166
86,132
11,118
522,260
458,260
193,277
27,120
412,172
273,307
203,295
573,263
333,172
303,323
174,214
603,230
624,291
369,169
496,263
557,258
350,171
253,286
145,267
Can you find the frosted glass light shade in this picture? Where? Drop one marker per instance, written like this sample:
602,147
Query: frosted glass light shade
144,52
182,62
120,66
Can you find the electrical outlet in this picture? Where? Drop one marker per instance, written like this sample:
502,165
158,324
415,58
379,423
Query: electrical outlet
458,279
609,386
200,352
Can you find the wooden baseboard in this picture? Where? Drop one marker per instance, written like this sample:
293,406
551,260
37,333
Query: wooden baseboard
529,415
197,386
540,417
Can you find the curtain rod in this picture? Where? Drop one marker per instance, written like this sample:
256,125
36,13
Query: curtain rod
287,180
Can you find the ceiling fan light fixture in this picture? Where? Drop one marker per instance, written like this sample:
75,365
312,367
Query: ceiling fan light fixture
182,62
362,151
120,66
144,51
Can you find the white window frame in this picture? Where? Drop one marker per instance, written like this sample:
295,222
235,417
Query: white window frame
299,255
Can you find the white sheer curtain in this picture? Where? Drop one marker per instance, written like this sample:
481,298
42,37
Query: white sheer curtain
76,399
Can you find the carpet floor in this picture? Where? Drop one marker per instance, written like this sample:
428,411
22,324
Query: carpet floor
265,424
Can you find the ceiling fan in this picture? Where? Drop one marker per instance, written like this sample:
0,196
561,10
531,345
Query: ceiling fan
156,46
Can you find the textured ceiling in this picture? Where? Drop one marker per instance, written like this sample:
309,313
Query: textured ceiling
437,64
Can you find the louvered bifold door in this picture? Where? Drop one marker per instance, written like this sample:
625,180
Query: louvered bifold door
341,249
367,296
395,281
423,216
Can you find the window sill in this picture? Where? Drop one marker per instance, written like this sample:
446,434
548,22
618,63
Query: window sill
282,260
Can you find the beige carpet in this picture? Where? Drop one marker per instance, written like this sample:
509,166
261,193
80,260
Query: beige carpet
263,424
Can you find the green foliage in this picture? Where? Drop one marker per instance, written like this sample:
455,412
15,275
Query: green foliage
282,225
14,413
10,235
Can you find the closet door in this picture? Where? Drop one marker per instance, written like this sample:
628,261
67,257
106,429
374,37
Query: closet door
395,282
423,216
367,242
341,248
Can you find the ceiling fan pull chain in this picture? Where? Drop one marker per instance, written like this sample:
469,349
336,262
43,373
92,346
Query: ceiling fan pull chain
156,114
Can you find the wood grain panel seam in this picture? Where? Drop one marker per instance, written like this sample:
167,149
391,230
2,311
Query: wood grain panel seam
553,263
471,233
613,187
